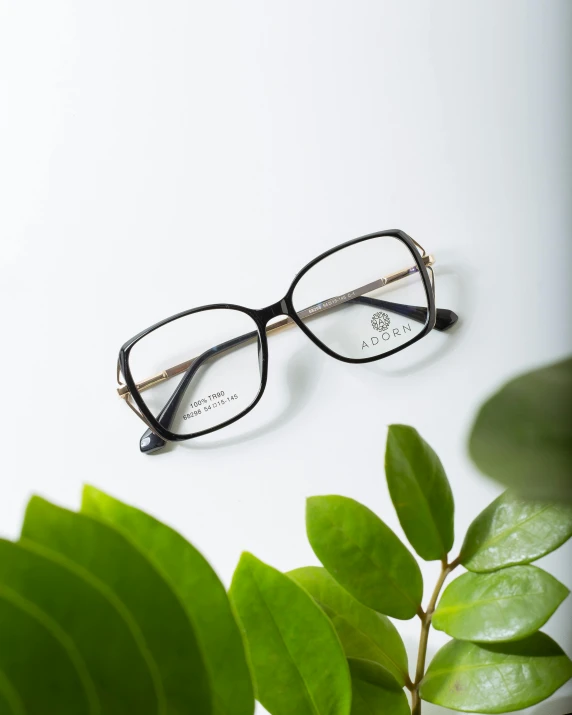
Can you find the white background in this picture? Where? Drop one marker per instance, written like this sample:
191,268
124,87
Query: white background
159,156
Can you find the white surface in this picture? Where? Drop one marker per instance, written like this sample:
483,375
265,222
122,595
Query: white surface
158,156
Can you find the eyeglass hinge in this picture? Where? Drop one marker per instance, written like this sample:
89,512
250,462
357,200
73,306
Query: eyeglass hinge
146,384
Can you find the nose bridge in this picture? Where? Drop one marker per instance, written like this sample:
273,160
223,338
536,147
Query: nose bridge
272,311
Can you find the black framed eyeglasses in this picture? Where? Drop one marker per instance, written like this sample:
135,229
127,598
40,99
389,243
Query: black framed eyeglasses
205,368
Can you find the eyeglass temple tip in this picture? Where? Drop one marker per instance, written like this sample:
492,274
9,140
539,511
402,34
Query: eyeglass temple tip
150,442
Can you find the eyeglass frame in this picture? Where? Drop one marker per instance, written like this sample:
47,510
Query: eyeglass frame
157,435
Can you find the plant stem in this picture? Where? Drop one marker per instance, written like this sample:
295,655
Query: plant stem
415,703
424,637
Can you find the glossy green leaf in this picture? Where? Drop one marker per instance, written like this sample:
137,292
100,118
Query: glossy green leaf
512,530
372,697
420,492
500,606
496,678
364,633
296,658
39,662
133,579
105,636
364,555
199,590
522,435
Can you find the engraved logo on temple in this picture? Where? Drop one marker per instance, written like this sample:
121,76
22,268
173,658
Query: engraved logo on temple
380,321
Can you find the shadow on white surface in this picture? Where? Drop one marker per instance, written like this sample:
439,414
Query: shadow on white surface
558,706
301,381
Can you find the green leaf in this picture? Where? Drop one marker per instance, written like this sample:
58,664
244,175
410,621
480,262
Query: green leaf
522,435
133,579
199,590
44,671
420,493
10,701
512,530
364,555
496,678
500,606
106,638
374,673
372,697
297,661
364,633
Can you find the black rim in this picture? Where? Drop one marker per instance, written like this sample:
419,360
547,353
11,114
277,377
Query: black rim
431,314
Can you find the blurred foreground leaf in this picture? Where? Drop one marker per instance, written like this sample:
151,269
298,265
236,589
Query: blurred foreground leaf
522,436
199,590
51,674
106,638
173,654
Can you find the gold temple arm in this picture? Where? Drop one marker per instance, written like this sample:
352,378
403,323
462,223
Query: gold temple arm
325,305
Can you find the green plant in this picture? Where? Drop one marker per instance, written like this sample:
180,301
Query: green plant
110,612
497,662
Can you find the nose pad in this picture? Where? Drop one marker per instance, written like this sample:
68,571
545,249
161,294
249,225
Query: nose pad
266,315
